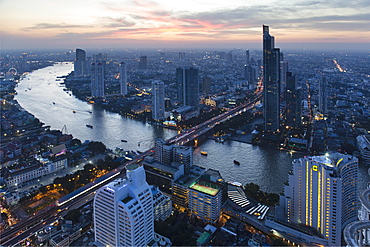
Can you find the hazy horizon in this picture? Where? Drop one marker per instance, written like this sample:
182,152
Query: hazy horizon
194,24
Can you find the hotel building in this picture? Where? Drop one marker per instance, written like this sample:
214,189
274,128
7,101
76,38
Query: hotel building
322,193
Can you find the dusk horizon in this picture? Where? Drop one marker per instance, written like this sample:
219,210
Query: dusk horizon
161,24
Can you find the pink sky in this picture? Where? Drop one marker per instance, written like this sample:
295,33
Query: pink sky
194,23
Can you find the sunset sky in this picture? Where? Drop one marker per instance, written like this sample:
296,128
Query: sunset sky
33,24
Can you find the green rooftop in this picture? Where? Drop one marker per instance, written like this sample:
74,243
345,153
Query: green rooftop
202,238
204,189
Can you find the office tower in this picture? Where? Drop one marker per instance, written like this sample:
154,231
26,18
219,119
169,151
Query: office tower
183,155
123,78
87,66
283,82
206,85
322,193
247,57
162,204
181,55
24,62
79,63
163,151
97,80
271,83
97,57
323,96
293,102
123,211
158,100
167,154
187,86
143,62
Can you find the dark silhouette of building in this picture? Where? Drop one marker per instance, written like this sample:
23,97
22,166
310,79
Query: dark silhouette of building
187,80
271,83
79,63
206,85
143,62
323,96
293,102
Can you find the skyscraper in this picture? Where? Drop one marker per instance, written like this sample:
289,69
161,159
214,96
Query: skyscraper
293,106
183,155
97,80
143,62
323,97
123,78
79,63
187,80
271,83
206,85
123,211
322,193
158,100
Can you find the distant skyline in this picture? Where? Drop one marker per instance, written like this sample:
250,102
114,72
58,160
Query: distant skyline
87,24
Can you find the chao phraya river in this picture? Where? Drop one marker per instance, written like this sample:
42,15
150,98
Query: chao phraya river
41,94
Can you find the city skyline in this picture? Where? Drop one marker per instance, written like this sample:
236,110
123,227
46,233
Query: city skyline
171,24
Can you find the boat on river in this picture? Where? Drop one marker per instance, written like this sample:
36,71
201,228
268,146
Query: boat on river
123,141
203,153
236,162
90,126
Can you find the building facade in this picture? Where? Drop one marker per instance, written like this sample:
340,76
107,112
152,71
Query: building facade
158,107
271,83
322,193
123,211
187,80
123,78
79,63
97,80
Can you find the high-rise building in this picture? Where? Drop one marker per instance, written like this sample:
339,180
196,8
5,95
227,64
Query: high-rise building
187,86
123,211
271,83
79,63
283,82
247,57
293,102
167,154
123,78
97,80
206,85
323,96
322,193
24,62
158,107
183,155
143,62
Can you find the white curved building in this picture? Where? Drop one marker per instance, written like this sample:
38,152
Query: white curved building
123,211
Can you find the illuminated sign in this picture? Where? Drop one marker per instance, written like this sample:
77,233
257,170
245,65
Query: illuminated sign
314,168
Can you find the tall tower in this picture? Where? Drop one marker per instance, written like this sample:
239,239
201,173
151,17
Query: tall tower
271,83
24,64
323,100
97,80
123,211
158,106
188,86
143,62
322,193
293,106
123,78
79,63
206,85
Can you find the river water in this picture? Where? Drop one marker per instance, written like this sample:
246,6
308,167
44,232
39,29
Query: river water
41,94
